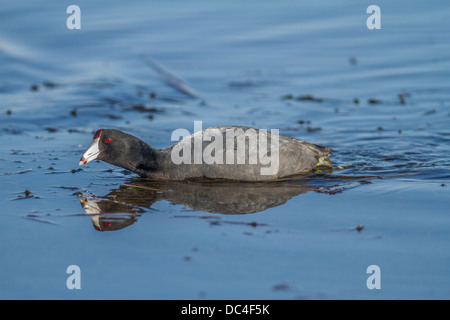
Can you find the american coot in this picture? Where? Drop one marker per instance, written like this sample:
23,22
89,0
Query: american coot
226,152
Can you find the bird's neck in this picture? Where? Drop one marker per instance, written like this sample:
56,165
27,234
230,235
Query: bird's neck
147,162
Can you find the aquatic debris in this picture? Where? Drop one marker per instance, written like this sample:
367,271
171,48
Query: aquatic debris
49,84
144,109
428,112
312,98
171,78
287,97
114,117
356,101
281,287
8,112
217,222
311,130
251,224
74,112
309,98
27,195
74,131
374,101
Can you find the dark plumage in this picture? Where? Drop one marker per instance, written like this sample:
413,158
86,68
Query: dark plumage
225,160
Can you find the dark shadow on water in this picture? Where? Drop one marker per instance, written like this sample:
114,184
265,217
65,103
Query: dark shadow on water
122,206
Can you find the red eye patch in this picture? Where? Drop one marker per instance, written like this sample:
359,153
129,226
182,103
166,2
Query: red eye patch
108,140
97,134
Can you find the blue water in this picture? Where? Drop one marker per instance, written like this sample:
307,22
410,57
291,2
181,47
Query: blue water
312,69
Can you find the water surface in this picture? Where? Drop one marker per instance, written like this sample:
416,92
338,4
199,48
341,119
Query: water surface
378,98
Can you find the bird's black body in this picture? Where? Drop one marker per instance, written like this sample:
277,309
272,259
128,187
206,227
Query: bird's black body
293,156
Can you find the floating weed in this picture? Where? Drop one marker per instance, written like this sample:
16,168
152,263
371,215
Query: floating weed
27,194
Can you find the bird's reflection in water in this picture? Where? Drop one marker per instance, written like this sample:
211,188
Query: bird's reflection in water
121,207
109,214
